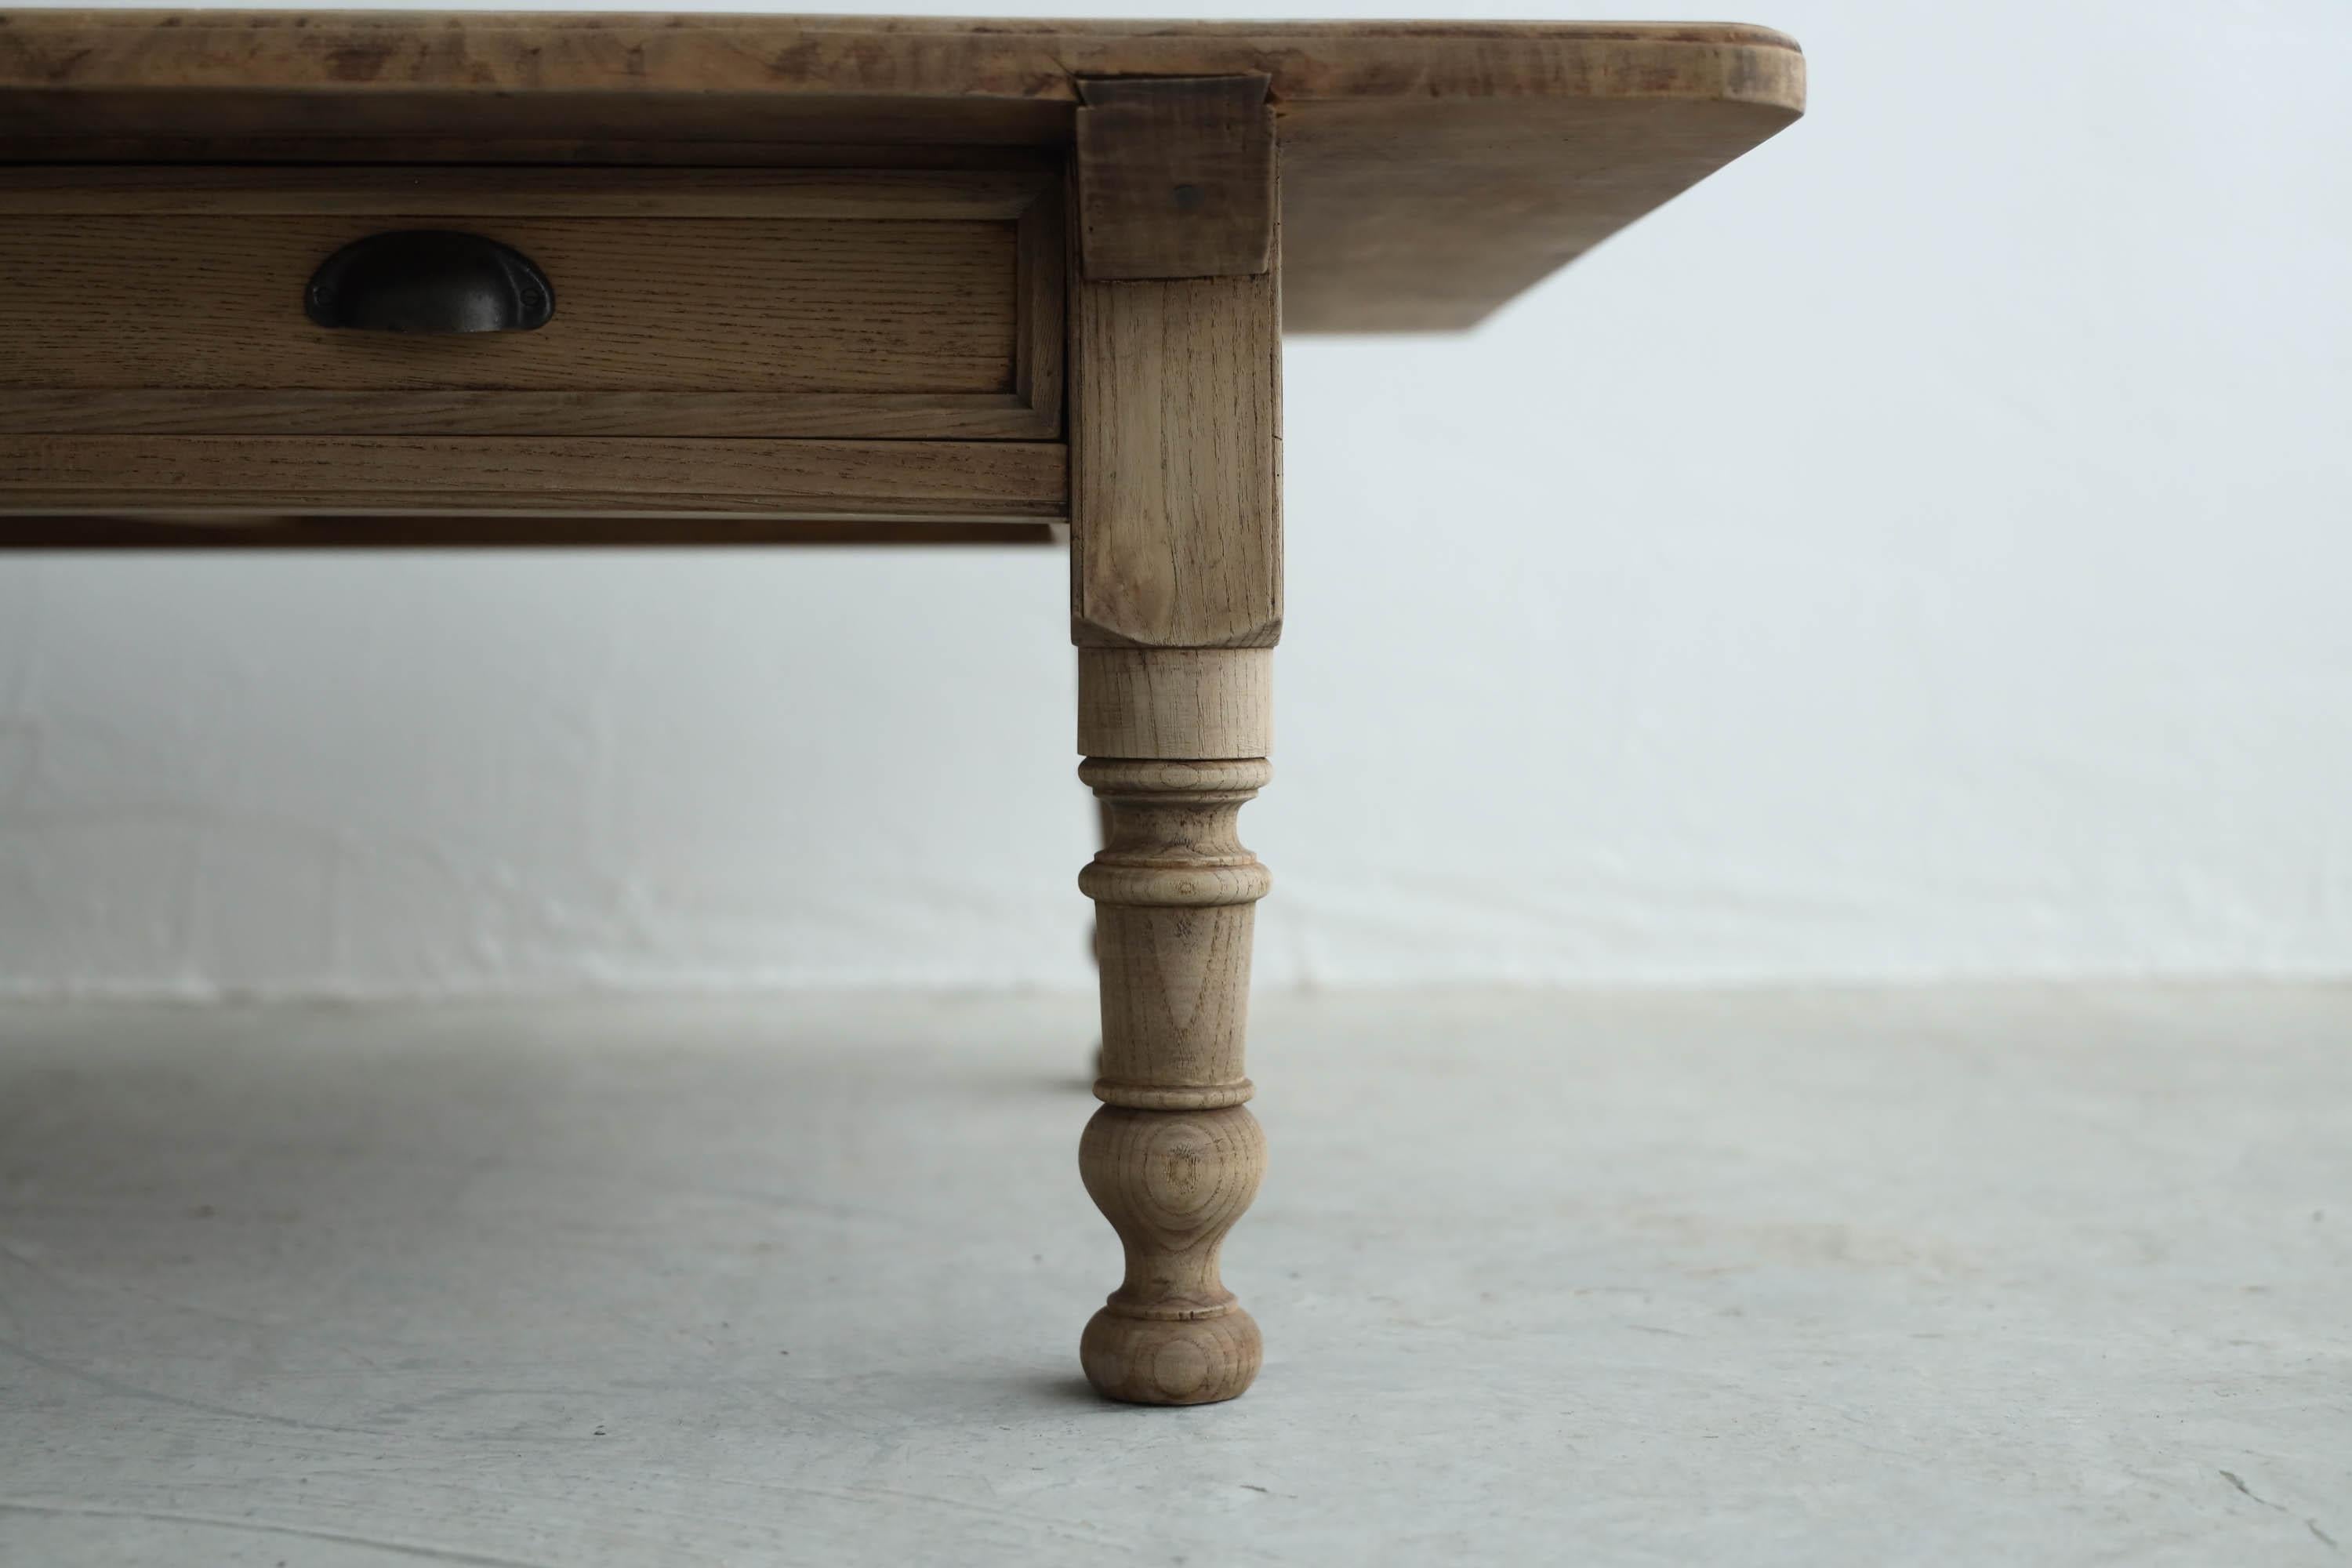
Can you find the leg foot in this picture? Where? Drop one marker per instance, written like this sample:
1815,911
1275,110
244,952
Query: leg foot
1172,1184
1197,1363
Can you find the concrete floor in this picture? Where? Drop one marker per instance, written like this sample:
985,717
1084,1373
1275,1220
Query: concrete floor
1995,1277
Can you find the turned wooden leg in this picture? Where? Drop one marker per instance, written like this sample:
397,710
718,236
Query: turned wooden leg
1175,412
1173,1157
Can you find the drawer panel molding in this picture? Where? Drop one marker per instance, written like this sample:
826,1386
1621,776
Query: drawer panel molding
883,304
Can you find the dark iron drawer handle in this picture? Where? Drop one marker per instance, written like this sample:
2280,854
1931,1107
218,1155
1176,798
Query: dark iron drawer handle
429,280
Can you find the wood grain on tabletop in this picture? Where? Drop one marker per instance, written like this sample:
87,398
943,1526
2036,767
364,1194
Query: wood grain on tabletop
1433,170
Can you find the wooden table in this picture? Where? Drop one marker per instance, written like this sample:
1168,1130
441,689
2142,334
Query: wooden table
352,279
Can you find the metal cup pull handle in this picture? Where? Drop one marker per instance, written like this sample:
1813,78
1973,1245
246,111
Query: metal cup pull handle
429,280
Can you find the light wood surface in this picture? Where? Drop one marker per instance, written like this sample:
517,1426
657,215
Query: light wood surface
678,307
1433,170
1175,461
426,191
725,303
1179,177
184,411
504,530
1176,589
1173,1157
1175,702
808,481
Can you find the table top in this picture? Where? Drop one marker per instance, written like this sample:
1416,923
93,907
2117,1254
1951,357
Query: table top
1431,171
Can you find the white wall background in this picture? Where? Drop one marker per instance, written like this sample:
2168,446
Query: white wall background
1925,549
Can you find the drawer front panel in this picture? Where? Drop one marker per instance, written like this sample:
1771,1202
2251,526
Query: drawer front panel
688,302
688,305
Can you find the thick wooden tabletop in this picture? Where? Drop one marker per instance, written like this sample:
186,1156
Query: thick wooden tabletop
1431,171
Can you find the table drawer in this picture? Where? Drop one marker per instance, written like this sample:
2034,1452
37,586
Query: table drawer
776,303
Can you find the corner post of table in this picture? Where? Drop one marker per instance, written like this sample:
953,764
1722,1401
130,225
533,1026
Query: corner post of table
1176,602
